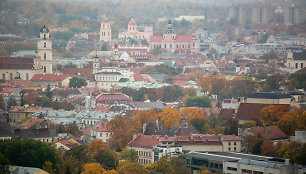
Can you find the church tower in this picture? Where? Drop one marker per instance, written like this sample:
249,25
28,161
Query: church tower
105,31
95,64
170,33
44,50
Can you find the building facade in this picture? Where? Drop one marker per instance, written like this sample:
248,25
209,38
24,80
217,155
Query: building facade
173,43
133,32
105,31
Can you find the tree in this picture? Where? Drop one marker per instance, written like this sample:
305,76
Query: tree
178,164
292,121
43,101
2,103
127,167
202,101
297,80
30,153
273,82
21,100
170,117
231,127
71,165
254,143
163,165
92,168
94,147
123,130
141,117
79,153
48,167
107,158
248,124
4,165
129,154
268,56
201,125
11,102
193,113
76,82
49,92
271,114
268,149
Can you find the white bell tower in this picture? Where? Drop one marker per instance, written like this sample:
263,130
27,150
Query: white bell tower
44,50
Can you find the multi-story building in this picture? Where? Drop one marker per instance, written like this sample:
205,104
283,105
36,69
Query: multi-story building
173,43
294,14
133,32
296,60
24,68
260,15
237,13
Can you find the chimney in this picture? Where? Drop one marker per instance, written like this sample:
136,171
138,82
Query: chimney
157,124
144,127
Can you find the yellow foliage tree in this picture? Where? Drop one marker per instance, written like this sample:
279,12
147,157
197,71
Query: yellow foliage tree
170,117
192,113
48,167
128,167
110,171
92,168
271,114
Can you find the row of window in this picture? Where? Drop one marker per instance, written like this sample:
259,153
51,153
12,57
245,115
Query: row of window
229,143
144,153
177,46
144,161
47,140
12,77
229,149
104,33
90,122
107,134
107,78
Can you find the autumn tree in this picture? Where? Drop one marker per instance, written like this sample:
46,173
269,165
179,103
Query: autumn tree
163,165
72,165
193,113
141,117
128,167
273,82
178,164
170,117
268,149
95,147
129,154
92,168
11,102
123,130
254,143
292,121
48,167
231,127
271,114
248,124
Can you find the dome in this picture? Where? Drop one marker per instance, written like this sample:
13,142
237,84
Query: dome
44,28
132,22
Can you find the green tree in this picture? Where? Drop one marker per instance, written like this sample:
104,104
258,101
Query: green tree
273,82
231,127
107,158
127,166
76,82
268,56
178,164
43,101
163,165
2,103
129,154
254,143
11,102
4,164
49,92
202,101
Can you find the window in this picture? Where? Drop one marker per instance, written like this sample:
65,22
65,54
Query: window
296,65
231,168
3,76
234,148
235,143
100,134
165,46
44,35
11,76
229,149
302,65
45,56
27,76
45,70
229,143
45,44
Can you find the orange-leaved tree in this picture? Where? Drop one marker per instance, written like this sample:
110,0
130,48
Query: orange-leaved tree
193,113
170,117
92,168
141,117
271,114
94,147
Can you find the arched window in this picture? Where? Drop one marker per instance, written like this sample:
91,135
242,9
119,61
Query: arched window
45,56
44,35
45,44
45,70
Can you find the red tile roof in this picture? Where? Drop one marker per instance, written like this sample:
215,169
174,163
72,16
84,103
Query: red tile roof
156,39
183,38
67,143
102,108
226,114
250,111
269,133
86,72
229,138
49,77
33,122
8,90
16,63
144,141
102,126
104,98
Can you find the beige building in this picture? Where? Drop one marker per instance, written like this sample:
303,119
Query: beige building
18,112
24,68
269,98
260,15
295,61
133,32
294,14
237,13
105,31
173,43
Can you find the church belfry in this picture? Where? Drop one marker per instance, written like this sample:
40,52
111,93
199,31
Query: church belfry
169,33
44,50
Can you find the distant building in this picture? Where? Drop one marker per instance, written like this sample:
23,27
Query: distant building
296,60
237,13
173,43
260,15
134,33
24,68
269,98
294,14
105,31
